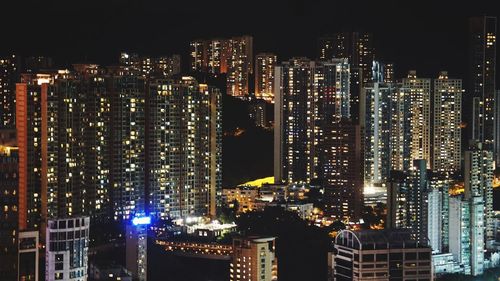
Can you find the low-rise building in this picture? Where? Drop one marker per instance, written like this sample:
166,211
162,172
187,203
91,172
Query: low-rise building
254,259
67,249
445,264
380,255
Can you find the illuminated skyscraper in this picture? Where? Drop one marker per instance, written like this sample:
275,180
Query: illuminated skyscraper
240,66
308,96
127,173
215,55
447,112
417,205
264,76
96,146
460,232
29,137
9,208
63,130
185,151
314,137
198,55
232,56
293,133
63,108
358,48
482,58
167,66
478,180
8,78
420,101
438,210
340,155
467,217
400,130
389,73
376,124
164,66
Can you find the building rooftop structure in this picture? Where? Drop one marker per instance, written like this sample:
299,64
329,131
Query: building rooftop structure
378,239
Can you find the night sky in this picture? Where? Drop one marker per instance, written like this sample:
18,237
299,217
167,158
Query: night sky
426,36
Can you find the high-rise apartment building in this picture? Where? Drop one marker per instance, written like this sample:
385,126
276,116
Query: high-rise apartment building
396,200
308,96
477,229
29,138
417,201
264,76
127,145
438,195
447,117
314,136
9,209
358,48
253,259
240,66
435,219
400,129
420,102
233,56
198,55
67,248
482,87
164,66
467,233
96,135
460,231
63,145
9,68
96,146
375,120
478,180
185,149
339,157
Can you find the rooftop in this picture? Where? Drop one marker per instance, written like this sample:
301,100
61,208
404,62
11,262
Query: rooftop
378,239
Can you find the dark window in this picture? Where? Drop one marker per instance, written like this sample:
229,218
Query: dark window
411,256
62,224
381,257
424,256
395,256
368,258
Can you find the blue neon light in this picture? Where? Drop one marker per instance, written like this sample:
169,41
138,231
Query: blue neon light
141,220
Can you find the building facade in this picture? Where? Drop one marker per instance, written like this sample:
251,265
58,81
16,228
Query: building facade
478,180
379,255
9,70
482,75
185,148
9,230
308,96
264,76
253,259
420,102
447,134
67,249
